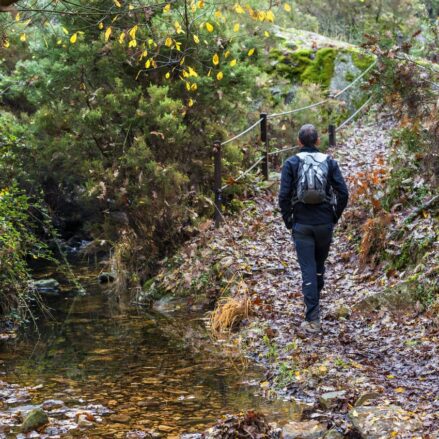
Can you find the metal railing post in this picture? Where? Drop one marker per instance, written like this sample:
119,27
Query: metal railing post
332,138
264,139
217,182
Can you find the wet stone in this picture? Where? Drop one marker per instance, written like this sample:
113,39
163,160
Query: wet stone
52,404
366,397
303,430
331,399
36,418
383,421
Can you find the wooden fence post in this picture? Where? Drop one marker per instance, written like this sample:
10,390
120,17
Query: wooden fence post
217,182
264,139
332,138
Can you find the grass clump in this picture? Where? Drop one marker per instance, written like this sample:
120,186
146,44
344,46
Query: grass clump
229,313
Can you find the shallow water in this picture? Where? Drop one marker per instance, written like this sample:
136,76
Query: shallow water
159,371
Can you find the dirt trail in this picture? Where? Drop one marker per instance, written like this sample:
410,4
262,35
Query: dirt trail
388,358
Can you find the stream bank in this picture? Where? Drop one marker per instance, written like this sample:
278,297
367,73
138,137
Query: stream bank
103,368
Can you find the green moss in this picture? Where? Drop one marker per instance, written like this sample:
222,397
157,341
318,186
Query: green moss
306,65
361,61
321,70
292,64
349,76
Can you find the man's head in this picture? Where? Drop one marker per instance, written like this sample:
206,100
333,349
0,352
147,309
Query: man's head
308,135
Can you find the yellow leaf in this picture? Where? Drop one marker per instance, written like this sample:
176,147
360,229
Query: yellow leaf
262,15
265,385
192,72
65,30
209,72
133,31
215,59
287,7
108,33
167,8
220,76
178,27
122,38
270,16
100,25
393,434
59,42
201,4
226,54
194,87
130,7
148,63
132,43
168,42
144,54
23,37
178,46
251,52
190,102
390,377
266,34
182,60
218,14
196,39
236,27
209,27
400,390
239,9
117,3
233,63
188,86
17,17
73,38
168,75
6,44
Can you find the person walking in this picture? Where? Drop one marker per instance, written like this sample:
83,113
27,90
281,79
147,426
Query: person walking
312,198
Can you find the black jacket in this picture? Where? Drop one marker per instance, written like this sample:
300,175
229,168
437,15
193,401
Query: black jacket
311,214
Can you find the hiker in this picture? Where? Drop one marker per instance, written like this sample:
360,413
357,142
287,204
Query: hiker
312,197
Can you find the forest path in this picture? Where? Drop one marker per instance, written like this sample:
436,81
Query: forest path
388,358
359,352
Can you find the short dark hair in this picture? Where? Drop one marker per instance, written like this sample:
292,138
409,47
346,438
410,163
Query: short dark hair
308,135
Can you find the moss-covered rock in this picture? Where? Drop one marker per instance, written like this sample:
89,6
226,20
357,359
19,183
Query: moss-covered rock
35,419
321,69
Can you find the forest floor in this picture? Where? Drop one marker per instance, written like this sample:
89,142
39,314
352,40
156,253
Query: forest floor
373,369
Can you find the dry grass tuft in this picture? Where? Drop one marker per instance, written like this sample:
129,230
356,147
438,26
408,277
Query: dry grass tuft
374,238
229,312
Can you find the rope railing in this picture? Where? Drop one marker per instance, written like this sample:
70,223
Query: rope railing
263,123
296,110
242,133
352,116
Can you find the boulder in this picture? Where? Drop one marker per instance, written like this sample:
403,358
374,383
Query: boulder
376,422
304,430
35,419
331,399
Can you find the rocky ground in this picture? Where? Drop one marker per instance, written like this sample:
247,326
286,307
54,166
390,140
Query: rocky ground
373,371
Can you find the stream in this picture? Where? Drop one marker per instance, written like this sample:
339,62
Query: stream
153,370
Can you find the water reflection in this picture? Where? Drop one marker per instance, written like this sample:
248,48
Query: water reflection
154,371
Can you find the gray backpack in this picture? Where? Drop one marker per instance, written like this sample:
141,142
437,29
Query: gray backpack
312,178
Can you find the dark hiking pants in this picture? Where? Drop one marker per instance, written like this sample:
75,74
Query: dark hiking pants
312,247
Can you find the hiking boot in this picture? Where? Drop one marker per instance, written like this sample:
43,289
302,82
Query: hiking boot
312,327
